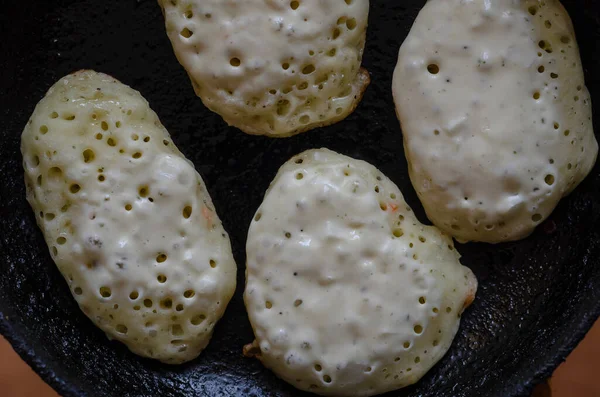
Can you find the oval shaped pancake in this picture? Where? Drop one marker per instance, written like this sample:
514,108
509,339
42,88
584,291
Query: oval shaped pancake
272,67
347,293
495,114
127,218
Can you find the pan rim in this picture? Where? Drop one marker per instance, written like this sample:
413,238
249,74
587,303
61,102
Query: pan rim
26,353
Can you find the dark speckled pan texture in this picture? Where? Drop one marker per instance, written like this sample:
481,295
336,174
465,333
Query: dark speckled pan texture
537,297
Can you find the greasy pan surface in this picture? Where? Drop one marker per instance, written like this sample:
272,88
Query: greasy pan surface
537,297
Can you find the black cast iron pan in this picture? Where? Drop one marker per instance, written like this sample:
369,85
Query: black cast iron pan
537,297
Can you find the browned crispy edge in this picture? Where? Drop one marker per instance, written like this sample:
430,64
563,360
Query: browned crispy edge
251,350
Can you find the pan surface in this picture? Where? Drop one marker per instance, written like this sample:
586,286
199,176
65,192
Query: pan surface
537,297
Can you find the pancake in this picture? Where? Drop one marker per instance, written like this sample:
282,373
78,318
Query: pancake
496,118
273,67
127,218
347,293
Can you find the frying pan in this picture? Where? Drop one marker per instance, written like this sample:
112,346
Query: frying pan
537,297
